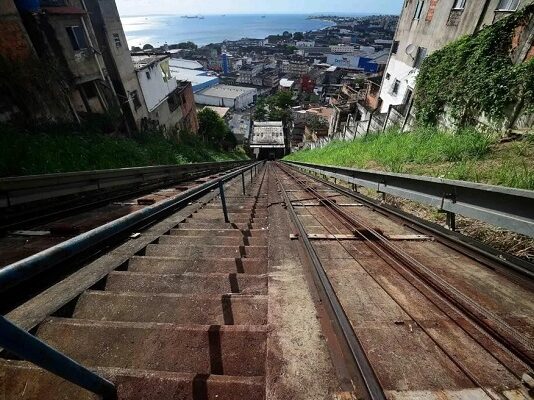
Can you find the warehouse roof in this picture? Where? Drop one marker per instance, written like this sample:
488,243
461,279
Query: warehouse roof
227,91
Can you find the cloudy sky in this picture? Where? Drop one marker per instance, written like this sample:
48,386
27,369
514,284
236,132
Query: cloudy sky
144,7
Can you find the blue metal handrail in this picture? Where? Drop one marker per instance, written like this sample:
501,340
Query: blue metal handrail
29,348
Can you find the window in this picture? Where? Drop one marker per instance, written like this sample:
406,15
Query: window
419,9
420,56
135,100
117,40
508,5
77,38
147,73
395,87
459,4
395,47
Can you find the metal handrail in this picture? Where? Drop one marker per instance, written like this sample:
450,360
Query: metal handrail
27,268
504,207
30,348
26,189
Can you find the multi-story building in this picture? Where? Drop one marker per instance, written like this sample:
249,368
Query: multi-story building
59,37
170,103
248,72
426,26
342,48
118,61
296,68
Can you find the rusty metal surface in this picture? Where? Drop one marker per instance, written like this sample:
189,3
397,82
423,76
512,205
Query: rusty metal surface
432,321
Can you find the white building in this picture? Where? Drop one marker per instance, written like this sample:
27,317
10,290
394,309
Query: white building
240,126
286,84
268,134
306,43
236,97
169,101
426,26
342,48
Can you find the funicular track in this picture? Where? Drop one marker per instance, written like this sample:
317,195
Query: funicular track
483,343
210,301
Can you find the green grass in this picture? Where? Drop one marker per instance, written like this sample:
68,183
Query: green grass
466,155
23,153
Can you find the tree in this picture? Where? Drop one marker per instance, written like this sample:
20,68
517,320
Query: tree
298,36
260,114
148,47
136,49
286,34
212,127
187,46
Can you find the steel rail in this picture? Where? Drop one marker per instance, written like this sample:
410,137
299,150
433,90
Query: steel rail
459,242
17,191
372,384
504,207
29,267
490,322
348,223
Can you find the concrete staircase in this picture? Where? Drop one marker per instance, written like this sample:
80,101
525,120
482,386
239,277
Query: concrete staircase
185,320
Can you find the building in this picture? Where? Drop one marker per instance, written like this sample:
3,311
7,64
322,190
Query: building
426,26
248,72
192,71
240,125
295,68
54,40
305,43
170,103
342,48
236,97
267,139
286,84
115,52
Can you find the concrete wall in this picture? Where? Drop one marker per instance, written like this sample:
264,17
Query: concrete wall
437,26
14,41
155,89
107,24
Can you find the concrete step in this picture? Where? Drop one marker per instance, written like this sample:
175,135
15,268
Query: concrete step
187,283
220,232
211,240
172,308
219,350
23,381
169,265
200,251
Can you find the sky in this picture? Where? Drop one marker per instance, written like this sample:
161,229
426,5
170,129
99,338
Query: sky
193,7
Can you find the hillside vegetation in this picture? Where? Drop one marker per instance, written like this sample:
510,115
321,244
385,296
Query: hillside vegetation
24,153
466,155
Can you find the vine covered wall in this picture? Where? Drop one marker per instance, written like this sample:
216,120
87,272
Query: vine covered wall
476,76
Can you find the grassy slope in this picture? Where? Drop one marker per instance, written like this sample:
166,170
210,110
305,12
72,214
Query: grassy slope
468,156
23,154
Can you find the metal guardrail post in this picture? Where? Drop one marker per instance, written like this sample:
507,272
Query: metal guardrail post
223,201
243,183
451,221
31,349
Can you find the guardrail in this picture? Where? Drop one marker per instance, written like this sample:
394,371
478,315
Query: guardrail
25,269
22,190
504,207
31,349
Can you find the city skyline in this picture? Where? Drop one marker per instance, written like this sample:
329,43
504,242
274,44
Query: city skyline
206,7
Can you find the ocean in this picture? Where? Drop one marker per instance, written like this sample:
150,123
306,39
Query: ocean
160,29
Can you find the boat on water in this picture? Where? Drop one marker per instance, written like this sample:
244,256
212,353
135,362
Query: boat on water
192,17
